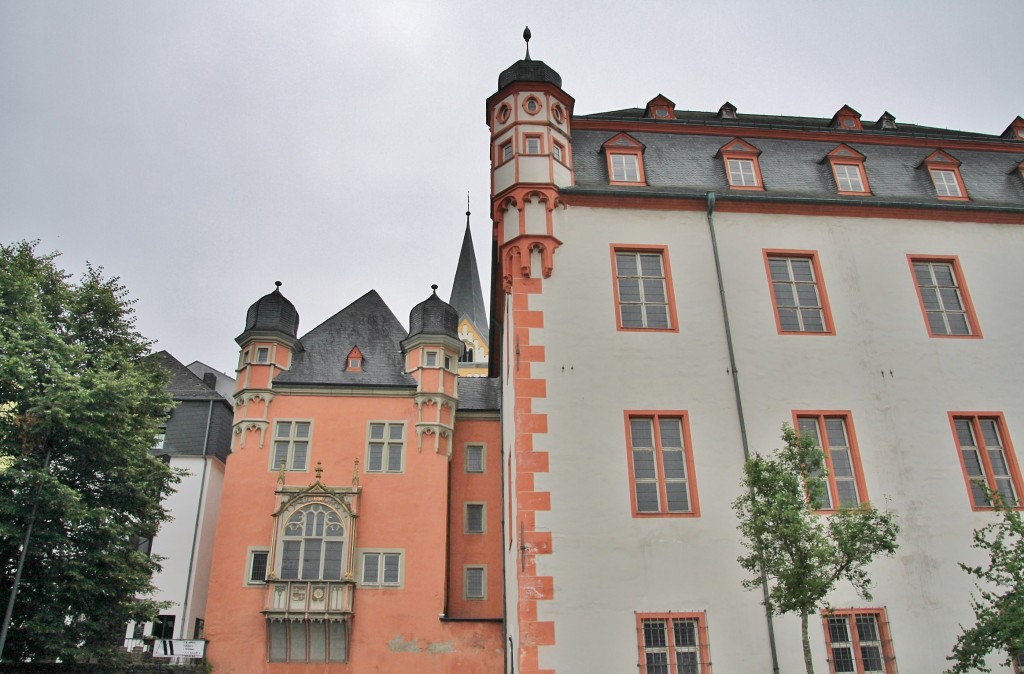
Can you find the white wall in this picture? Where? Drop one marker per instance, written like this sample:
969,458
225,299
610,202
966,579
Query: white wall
607,564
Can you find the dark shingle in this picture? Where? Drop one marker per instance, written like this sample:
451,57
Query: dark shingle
184,385
367,323
479,394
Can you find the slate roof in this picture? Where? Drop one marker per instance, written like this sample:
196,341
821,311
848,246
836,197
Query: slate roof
367,323
184,385
479,394
467,296
681,164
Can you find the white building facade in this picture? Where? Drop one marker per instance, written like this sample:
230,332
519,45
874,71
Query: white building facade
670,288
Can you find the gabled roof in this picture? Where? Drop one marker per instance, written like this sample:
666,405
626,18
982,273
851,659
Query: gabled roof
367,322
467,296
479,394
185,385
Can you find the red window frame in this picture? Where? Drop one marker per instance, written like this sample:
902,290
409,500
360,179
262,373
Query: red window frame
669,293
501,159
739,149
821,416
844,155
942,161
961,285
622,144
671,647
660,480
1010,456
819,283
540,144
851,615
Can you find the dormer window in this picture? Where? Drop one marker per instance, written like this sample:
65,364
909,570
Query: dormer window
742,168
848,170
727,111
660,107
624,155
354,360
1015,132
846,118
886,121
944,170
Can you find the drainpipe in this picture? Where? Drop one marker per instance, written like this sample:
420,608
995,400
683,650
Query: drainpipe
195,529
739,405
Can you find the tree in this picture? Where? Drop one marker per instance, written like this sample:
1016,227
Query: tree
801,555
79,406
999,604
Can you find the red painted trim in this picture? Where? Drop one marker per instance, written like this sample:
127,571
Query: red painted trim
669,284
526,102
1008,452
819,281
703,647
540,144
847,113
851,435
355,353
834,135
844,155
698,202
965,295
740,150
634,148
943,161
888,656
691,475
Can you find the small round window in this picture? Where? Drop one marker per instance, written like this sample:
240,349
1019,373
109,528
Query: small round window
503,113
532,105
558,113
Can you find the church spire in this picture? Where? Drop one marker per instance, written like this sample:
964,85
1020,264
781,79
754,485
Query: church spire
467,296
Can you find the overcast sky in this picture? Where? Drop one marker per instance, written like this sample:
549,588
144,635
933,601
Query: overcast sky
201,150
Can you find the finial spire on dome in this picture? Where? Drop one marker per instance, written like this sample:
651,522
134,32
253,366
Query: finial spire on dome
433,286
526,36
467,209
277,283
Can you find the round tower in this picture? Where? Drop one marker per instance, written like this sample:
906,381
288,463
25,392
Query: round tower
432,352
531,158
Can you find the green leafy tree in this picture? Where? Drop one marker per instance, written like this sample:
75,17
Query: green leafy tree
999,604
79,405
801,554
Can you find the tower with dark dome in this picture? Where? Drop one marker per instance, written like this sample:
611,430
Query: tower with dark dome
432,352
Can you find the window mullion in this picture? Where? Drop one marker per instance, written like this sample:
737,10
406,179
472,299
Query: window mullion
670,623
831,485
855,642
986,462
659,464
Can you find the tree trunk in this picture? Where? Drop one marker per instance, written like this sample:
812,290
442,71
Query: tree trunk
807,643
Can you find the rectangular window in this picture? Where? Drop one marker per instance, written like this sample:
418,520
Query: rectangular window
291,445
798,294
833,433
257,570
385,448
159,438
741,173
262,355
533,145
848,177
986,457
474,458
625,168
673,643
474,518
505,152
661,464
307,641
858,641
557,151
475,585
643,289
946,184
430,360
944,300
1018,660
381,569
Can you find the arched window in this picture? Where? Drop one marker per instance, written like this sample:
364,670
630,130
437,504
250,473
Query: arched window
312,543
467,353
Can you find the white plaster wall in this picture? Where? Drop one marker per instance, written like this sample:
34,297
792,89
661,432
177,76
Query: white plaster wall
606,564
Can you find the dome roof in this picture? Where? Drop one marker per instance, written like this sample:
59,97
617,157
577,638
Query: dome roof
434,316
273,313
528,70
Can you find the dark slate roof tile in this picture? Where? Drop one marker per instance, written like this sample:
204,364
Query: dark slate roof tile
184,385
479,394
367,323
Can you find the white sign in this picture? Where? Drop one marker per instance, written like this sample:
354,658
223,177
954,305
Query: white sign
181,648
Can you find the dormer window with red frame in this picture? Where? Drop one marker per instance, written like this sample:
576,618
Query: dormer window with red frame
846,118
742,168
1016,129
625,157
944,170
354,360
660,107
848,170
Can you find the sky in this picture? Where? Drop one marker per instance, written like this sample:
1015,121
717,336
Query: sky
202,150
